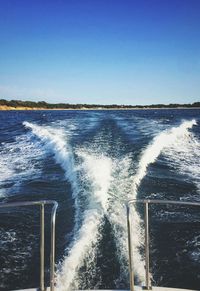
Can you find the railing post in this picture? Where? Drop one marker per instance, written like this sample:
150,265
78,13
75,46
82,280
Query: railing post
42,247
131,270
146,212
52,255
42,204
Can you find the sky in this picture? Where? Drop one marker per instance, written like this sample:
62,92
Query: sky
100,51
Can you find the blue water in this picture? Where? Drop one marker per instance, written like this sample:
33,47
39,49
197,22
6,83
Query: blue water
91,162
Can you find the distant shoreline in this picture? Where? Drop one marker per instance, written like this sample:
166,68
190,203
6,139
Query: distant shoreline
42,105
21,108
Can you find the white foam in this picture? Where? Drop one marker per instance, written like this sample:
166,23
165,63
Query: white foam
18,160
121,189
102,180
96,170
184,156
160,142
55,141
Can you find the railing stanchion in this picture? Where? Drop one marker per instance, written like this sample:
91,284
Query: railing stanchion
131,270
147,241
42,204
52,255
42,247
147,270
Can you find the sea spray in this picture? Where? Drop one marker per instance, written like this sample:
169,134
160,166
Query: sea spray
118,195
18,161
160,142
123,189
183,156
82,244
96,171
149,156
55,141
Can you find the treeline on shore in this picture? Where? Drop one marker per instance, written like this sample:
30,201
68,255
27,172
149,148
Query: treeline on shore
45,105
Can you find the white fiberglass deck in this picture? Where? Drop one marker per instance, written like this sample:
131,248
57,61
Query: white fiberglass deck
137,288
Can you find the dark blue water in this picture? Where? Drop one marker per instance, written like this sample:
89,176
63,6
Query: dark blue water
91,162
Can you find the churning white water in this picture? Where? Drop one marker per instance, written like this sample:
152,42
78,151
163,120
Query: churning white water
97,173
103,184
55,141
159,143
184,155
18,160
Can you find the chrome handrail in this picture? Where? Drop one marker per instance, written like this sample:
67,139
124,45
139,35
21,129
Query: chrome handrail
146,203
42,203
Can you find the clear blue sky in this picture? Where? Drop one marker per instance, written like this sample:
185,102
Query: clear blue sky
100,51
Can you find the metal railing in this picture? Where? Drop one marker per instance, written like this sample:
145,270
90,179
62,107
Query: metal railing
42,203
146,203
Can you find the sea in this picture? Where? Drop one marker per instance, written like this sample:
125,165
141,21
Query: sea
92,163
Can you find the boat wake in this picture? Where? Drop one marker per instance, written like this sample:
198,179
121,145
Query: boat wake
18,160
96,171
100,185
160,144
55,140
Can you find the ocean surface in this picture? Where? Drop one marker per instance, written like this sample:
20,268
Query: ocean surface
92,162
